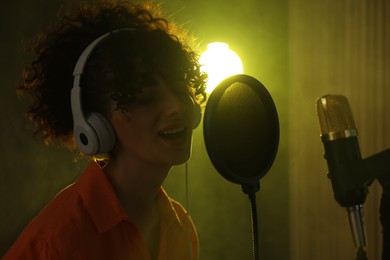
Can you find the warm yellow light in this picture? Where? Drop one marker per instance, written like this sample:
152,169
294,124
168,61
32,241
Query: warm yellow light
219,62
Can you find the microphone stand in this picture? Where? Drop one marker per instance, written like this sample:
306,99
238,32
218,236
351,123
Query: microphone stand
250,190
359,173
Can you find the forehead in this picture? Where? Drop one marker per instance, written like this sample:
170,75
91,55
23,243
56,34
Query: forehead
176,85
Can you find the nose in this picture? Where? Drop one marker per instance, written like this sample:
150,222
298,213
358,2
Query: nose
178,104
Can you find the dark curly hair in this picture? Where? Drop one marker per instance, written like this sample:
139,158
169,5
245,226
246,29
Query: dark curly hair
117,70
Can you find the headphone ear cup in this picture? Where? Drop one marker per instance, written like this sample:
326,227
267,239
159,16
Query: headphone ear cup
86,138
95,136
105,134
197,116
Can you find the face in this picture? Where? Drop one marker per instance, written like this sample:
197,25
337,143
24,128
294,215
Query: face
157,128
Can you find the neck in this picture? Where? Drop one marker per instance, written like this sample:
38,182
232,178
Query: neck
136,185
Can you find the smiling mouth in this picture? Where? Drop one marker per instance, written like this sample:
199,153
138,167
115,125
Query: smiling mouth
174,133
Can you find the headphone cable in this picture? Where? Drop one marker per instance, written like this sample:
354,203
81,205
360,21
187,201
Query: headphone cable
188,213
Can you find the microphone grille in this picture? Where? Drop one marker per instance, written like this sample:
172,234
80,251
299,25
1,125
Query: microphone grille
334,114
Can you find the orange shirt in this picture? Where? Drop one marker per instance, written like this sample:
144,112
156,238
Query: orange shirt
86,221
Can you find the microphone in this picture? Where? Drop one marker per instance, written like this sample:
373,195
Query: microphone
339,137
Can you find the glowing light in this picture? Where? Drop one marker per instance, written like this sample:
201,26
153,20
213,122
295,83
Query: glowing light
219,62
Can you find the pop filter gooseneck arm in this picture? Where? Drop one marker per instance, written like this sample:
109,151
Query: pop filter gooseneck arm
241,134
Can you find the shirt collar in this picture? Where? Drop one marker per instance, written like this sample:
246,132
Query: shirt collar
99,198
167,209
104,207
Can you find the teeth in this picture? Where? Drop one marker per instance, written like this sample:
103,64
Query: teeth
170,132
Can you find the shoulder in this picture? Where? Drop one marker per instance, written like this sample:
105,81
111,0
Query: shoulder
61,211
62,217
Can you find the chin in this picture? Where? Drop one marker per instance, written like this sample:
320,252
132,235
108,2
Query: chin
182,158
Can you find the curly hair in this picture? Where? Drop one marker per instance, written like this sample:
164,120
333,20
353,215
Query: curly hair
114,71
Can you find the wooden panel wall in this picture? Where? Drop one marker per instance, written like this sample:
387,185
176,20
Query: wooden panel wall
338,47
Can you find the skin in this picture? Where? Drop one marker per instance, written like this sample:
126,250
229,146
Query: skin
145,153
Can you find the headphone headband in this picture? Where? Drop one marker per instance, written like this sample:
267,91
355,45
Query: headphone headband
93,132
82,61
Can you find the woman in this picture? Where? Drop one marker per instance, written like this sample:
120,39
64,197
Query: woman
142,84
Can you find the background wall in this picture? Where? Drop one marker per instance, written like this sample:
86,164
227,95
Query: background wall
300,50
338,47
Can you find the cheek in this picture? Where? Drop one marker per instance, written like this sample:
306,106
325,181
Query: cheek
137,131
125,130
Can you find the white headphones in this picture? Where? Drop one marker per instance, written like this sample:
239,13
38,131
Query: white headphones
93,132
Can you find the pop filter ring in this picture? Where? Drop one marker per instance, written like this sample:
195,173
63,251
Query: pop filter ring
211,142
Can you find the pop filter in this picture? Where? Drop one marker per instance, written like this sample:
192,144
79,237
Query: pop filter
241,129
241,134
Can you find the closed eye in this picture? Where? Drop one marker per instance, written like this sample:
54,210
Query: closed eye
147,96
145,100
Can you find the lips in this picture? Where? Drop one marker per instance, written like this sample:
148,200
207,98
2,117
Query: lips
173,133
